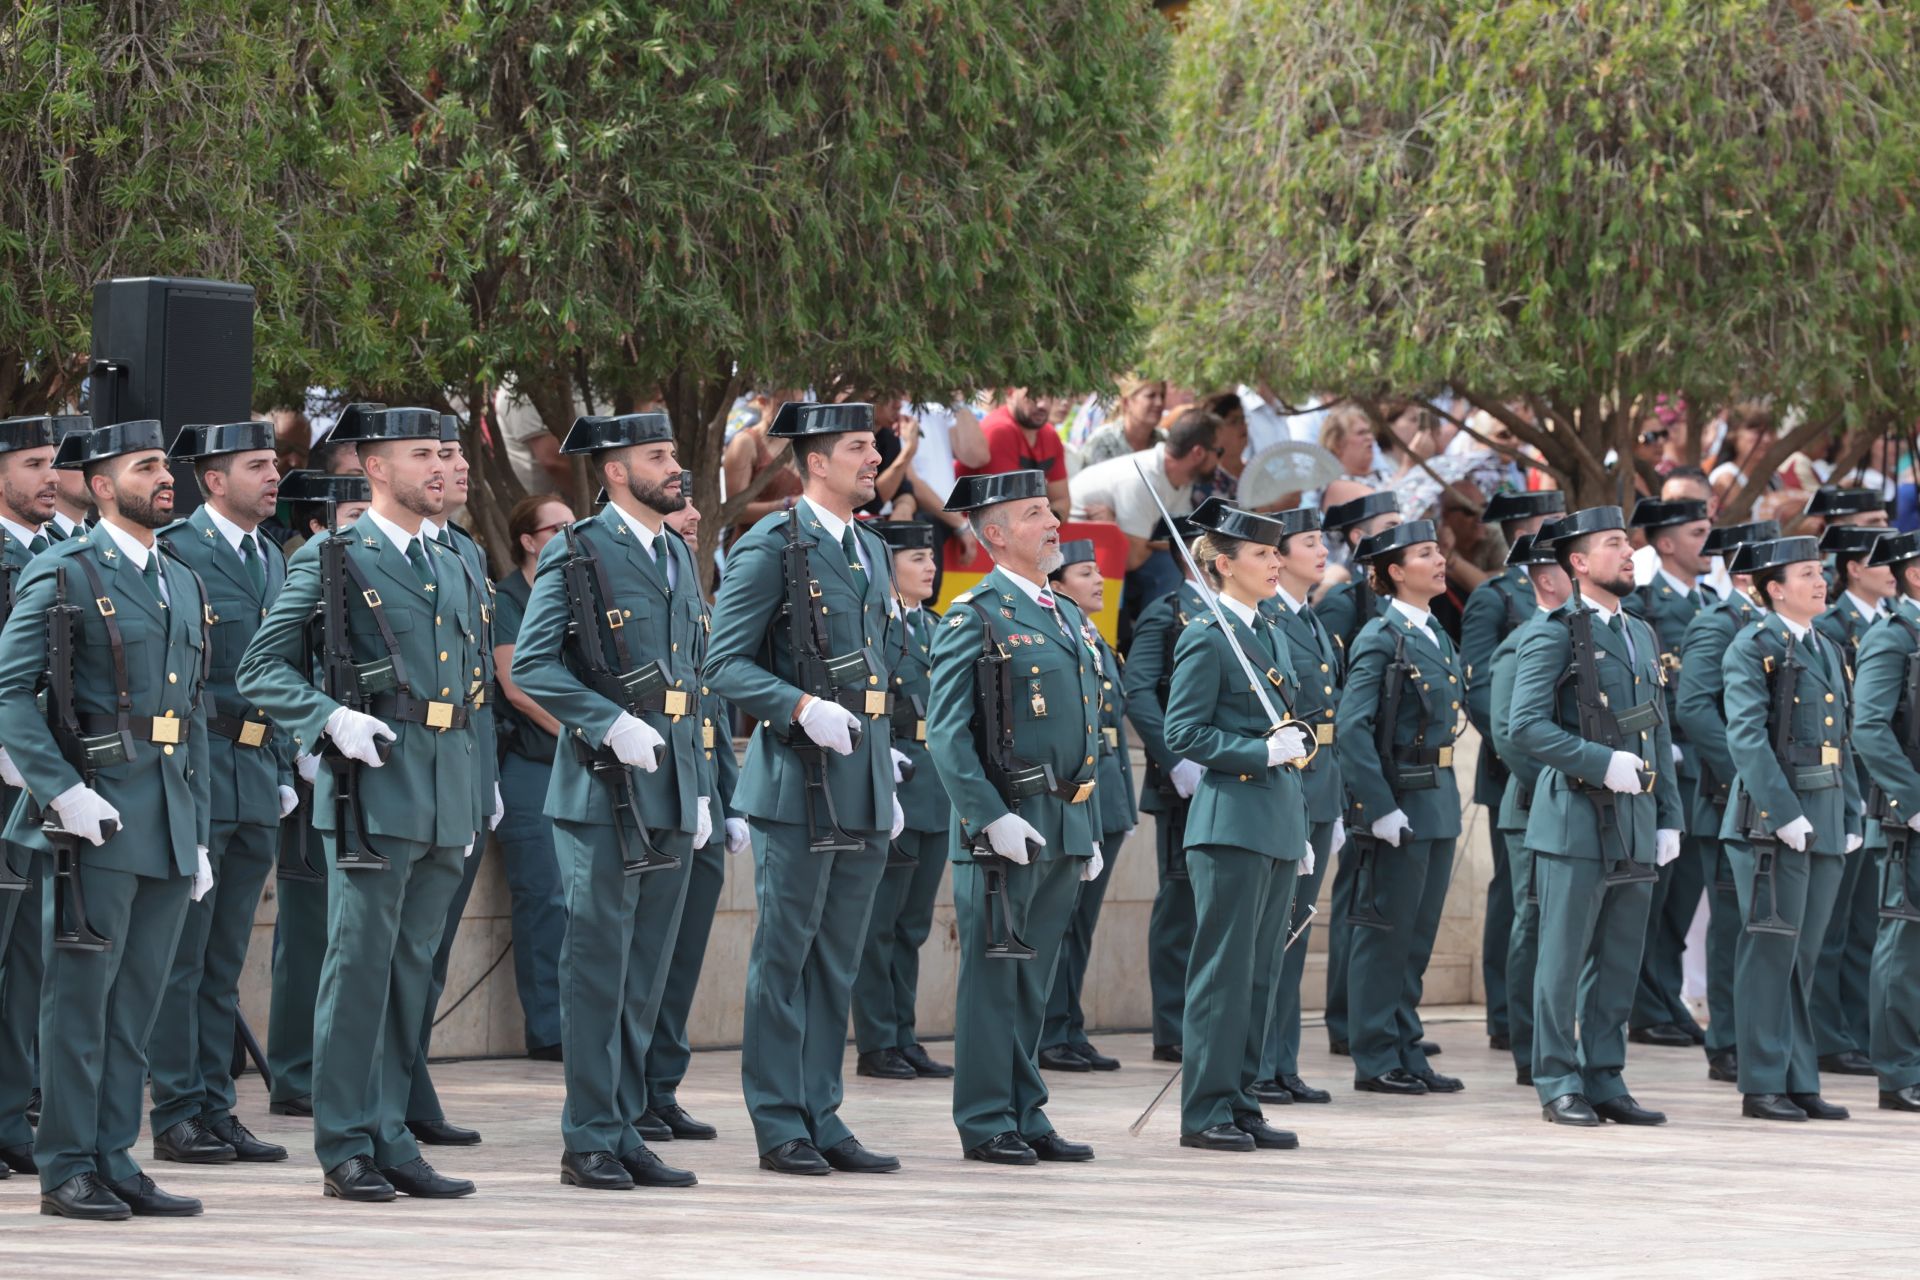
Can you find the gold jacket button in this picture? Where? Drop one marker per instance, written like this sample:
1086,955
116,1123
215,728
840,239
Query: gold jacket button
445,692
166,750
443,655
172,678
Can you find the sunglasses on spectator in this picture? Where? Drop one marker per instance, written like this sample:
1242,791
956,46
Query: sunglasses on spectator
1658,436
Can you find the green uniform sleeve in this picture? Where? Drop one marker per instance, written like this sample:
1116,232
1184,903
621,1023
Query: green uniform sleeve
23,660
1748,739
1699,707
1500,712
1544,654
1147,661
750,597
1361,767
1480,625
1876,694
539,665
950,717
272,671
1666,788
1193,704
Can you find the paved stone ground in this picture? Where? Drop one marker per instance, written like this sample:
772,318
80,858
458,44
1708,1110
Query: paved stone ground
1473,1184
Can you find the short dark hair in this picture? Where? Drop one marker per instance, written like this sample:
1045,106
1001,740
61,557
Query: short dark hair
523,520
1564,548
1687,473
1193,429
805,447
221,462
1223,404
322,457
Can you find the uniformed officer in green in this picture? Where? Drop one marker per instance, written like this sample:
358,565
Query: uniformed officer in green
1167,795
1394,731
1841,1030
629,699
1247,830
1676,528
1063,1040
1886,735
1343,611
1020,767
1495,608
191,1053
318,503
1320,665
799,645
1794,816
123,771
1701,716
1551,587
413,624
1588,704
884,991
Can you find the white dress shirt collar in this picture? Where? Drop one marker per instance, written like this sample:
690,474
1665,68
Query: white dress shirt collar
19,532
634,525
232,532
1605,613
1244,612
67,524
1294,605
1870,608
1032,588
128,544
836,528
1799,630
1413,613
1684,588
399,537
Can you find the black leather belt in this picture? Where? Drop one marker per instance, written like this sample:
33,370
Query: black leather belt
1038,780
666,702
439,716
162,731
240,730
1442,756
1811,756
864,702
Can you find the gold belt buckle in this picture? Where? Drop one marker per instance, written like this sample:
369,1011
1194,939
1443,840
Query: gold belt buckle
919,730
440,715
676,702
876,702
1081,790
1323,734
1112,735
166,730
1829,755
252,733
1446,757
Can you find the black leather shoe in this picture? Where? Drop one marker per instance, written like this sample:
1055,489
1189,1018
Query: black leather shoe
546,1053
1907,1099
84,1196
1166,1053
1004,1148
191,1142
301,1106
148,1201
1570,1108
1624,1110
1500,1042
848,1156
797,1156
1061,1057
923,1065
1096,1059
649,1170
1665,1035
19,1159
1271,1091
1523,1076
1396,1081
594,1170
355,1178
5,1172
652,1128
1339,1048
1437,1083
1850,1063
1817,1107
1770,1106
421,1180
1055,1149
1695,1032
245,1145
1264,1135
682,1125
885,1064
1219,1137
1429,1048
1301,1090
438,1133
1724,1067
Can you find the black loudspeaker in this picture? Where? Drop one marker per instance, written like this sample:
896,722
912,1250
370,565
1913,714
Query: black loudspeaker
177,350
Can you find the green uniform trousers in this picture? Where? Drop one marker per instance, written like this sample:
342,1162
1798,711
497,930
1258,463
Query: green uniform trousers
1281,1054
382,928
1773,973
806,948
884,989
1066,1022
1896,987
1657,999
299,950
1840,981
1242,903
525,837
23,967
1523,949
191,1054
1591,938
1339,946
1169,925
670,1052
97,1012
613,972
1386,968
422,1102
1001,1004
1724,927
1496,931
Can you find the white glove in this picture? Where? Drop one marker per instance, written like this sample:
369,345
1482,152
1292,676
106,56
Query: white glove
499,809
1666,846
355,735
1007,836
1185,776
901,763
1913,823
1623,773
81,810
290,799
1678,754
468,851
703,822
1090,869
308,767
1794,834
202,873
830,725
1306,863
899,820
1854,842
1392,827
1288,744
739,835
1339,835
8,773
636,743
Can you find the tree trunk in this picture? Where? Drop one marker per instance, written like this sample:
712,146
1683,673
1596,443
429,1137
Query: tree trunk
698,404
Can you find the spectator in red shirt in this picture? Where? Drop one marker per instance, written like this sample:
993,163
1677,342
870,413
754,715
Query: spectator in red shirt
1019,438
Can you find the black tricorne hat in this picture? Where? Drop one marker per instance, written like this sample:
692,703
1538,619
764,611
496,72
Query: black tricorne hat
909,535
1183,528
1528,549
1830,501
121,438
17,435
1410,534
1075,551
1895,548
1753,557
1359,510
1502,507
1728,537
1296,520
595,432
1663,513
970,493
367,423
1215,516
213,441
807,418
1850,539
1577,524
325,486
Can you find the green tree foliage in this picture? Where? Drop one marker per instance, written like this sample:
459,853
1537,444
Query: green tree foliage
1561,208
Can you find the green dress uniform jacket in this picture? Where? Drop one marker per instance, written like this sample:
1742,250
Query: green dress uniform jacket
22,964
1523,938
1430,702
1840,996
1820,718
98,1008
1495,609
1345,610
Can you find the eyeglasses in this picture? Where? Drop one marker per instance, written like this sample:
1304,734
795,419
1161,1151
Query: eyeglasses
1657,436
549,528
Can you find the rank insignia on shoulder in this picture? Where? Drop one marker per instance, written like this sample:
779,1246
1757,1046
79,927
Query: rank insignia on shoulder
371,542
955,619
208,532
109,553
1006,613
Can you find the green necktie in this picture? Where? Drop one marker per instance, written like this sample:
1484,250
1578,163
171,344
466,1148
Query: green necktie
853,553
417,557
444,538
38,544
250,560
151,576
